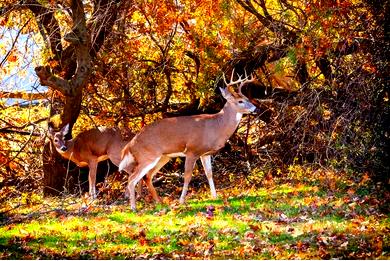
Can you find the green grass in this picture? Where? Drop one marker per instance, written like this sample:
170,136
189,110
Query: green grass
276,222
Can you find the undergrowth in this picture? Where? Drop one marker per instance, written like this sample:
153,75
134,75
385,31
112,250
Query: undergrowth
310,214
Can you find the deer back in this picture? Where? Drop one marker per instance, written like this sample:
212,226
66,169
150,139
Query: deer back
95,144
198,134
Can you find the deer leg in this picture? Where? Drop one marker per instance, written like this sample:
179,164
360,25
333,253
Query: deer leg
139,171
149,177
114,154
139,187
92,178
189,167
148,180
115,158
206,162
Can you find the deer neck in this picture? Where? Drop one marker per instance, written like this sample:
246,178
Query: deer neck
68,153
229,118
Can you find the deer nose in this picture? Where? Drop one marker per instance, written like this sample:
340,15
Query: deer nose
64,148
257,111
252,109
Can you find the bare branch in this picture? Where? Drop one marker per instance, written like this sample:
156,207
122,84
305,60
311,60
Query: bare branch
104,16
13,44
23,95
46,78
19,128
268,21
45,18
20,132
31,134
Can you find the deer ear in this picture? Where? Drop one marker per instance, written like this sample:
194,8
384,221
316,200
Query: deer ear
65,129
51,131
225,93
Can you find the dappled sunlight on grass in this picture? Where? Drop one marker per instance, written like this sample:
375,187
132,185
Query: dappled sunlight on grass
288,221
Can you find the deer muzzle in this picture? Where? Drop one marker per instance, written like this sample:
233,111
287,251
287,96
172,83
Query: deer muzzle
256,111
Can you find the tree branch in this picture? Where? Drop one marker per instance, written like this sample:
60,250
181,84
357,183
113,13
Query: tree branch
19,128
13,44
23,95
46,78
45,17
268,21
20,132
103,18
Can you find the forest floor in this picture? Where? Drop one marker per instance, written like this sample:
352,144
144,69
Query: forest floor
323,218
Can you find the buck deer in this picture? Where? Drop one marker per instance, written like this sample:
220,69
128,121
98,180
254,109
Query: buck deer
192,137
89,148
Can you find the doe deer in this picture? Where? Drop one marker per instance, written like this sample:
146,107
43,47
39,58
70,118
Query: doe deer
192,137
88,148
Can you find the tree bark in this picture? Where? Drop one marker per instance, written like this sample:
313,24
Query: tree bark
57,177
70,76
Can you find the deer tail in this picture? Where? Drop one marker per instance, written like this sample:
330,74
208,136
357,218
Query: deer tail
127,159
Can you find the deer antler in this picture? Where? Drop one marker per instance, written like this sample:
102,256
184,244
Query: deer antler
231,82
240,80
247,79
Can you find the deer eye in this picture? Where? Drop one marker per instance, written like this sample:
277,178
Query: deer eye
55,140
241,102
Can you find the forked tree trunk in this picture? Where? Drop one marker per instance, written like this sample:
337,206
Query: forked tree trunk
77,73
74,64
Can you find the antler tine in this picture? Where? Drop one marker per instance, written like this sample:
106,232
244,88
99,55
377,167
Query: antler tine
224,79
251,78
231,76
242,84
246,75
247,79
240,79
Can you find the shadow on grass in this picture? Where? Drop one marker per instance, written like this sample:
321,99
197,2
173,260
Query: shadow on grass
283,220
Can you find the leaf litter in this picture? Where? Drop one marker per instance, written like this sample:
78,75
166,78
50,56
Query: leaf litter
286,221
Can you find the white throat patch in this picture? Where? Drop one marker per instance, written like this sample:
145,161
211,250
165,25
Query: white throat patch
238,116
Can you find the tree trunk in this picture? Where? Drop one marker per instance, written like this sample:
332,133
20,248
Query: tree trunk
60,175
70,76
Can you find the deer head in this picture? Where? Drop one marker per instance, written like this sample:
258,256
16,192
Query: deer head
58,138
236,99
